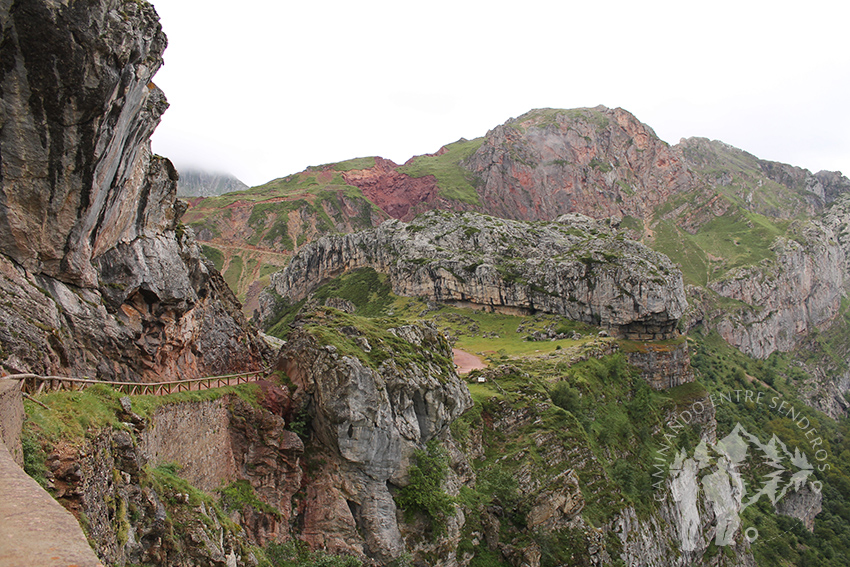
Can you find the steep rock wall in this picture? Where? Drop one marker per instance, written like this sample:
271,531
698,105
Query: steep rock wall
12,418
367,421
797,293
134,518
196,436
599,162
663,365
97,277
395,193
575,267
79,108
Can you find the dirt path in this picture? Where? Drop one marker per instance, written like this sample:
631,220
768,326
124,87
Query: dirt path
465,362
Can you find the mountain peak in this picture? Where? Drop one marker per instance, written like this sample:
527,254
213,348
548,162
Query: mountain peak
200,182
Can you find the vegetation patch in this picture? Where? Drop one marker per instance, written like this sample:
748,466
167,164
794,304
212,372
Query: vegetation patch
723,369
72,415
75,416
295,553
366,289
233,273
735,239
214,255
356,163
668,345
454,182
240,494
425,494
343,330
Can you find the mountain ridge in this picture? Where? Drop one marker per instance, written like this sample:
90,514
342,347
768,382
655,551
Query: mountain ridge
572,447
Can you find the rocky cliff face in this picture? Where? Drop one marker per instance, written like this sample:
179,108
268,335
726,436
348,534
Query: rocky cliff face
395,193
599,162
663,364
595,161
776,190
98,278
575,267
803,504
795,294
368,416
79,108
126,483
742,232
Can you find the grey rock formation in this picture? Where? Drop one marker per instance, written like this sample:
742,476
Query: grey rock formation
97,277
803,504
575,267
774,189
798,292
78,110
369,421
663,365
834,184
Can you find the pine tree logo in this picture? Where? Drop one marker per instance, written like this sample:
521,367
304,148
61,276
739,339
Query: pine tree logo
713,473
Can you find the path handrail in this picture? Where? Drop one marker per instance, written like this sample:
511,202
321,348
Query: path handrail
169,386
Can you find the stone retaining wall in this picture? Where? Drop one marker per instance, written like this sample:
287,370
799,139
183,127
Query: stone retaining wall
196,436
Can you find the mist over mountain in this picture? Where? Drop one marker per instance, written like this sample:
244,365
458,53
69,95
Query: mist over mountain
196,182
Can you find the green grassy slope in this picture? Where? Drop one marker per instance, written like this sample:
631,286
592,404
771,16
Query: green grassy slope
250,234
454,182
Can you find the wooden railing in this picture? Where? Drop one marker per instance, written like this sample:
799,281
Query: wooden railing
35,384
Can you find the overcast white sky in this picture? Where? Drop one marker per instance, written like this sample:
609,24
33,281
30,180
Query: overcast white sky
263,88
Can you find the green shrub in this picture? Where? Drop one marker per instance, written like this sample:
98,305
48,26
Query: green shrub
566,397
425,494
297,554
34,457
240,494
214,255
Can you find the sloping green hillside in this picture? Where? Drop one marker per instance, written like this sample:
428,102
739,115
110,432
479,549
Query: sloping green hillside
454,182
250,234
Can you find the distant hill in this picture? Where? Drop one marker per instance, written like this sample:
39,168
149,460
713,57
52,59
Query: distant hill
201,183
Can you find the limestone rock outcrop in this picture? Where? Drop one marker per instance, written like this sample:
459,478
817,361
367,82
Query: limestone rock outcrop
791,296
78,110
803,504
97,276
575,267
367,421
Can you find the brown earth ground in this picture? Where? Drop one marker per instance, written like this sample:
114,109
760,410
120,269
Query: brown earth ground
466,362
